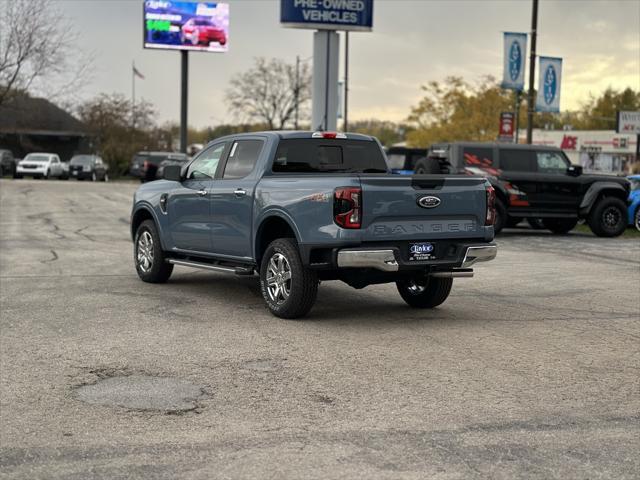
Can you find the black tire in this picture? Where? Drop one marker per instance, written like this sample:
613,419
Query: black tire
47,175
636,219
427,292
608,218
560,226
501,216
158,270
427,166
513,221
536,223
17,176
302,283
94,177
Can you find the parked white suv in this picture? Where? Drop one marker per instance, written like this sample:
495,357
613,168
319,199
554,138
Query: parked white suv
40,165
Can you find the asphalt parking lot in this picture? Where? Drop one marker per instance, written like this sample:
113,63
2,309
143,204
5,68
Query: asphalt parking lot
530,370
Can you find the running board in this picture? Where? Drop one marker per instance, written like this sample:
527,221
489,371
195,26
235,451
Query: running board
215,268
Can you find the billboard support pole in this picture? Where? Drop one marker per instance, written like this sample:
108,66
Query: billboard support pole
184,98
345,125
324,108
532,69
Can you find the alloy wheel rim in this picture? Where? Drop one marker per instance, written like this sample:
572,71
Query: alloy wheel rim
144,251
611,217
278,278
638,219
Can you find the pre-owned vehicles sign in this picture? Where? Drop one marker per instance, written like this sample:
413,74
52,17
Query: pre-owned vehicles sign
629,122
327,14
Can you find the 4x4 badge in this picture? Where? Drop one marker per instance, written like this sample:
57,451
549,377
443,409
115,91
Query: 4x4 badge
428,201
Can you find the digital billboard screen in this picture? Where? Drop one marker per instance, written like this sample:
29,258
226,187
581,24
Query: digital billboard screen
201,26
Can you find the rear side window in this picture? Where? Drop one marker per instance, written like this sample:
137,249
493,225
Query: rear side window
321,155
517,160
242,158
478,156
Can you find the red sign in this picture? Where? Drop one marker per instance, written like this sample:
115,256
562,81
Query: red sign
569,142
507,121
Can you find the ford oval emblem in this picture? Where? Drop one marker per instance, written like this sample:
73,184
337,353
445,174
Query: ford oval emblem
515,61
550,84
428,201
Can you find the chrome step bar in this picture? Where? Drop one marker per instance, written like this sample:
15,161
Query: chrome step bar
208,266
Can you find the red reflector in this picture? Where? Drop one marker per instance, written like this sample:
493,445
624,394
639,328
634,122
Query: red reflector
329,134
491,206
347,207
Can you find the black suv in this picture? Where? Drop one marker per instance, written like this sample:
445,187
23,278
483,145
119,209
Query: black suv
537,182
144,165
7,163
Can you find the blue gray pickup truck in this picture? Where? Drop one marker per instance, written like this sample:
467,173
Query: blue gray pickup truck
298,208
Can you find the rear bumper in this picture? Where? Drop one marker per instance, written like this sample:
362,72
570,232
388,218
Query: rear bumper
389,259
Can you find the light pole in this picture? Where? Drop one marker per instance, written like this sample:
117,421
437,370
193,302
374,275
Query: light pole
532,69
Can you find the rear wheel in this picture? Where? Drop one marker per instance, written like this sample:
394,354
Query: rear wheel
560,225
426,292
288,288
513,221
608,217
148,255
501,216
428,166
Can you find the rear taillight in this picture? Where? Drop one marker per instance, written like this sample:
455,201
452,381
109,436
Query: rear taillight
491,206
347,207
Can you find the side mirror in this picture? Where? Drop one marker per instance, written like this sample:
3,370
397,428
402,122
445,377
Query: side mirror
574,170
173,173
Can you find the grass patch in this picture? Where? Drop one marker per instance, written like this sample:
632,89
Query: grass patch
630,232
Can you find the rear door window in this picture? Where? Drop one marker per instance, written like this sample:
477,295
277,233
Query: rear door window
242,158
517,160
320,155
478,156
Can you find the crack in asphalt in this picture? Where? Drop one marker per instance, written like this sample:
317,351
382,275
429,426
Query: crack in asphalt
53,259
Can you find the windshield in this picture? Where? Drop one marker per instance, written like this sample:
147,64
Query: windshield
322,155
81,160
36,158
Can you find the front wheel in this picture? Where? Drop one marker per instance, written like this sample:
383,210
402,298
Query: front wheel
94,177
148,255
47,175
608,217
560,226
427,292
288,288
105,178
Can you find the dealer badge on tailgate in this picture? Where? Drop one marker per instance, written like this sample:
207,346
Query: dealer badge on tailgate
419,252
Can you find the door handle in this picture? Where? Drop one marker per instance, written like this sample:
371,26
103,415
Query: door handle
202,193
239,192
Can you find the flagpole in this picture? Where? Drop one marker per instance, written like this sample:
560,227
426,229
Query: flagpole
133,94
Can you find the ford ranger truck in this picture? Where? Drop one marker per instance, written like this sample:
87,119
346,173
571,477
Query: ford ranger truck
298,208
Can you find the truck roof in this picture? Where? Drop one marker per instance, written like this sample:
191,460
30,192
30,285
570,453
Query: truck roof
293,134
521,146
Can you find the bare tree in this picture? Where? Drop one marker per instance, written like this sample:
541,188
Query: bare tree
269,91
37,51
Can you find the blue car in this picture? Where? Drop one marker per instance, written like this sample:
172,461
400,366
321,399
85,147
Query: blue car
634,199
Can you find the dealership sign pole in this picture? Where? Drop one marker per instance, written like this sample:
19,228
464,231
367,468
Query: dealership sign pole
515,50
184,26
326,17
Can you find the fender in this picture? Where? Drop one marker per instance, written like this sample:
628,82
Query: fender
596,189
149,209
264,217
501,191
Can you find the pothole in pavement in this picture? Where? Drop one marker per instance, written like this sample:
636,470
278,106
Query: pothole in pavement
143,392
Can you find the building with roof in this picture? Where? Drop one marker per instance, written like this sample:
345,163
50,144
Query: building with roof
29,124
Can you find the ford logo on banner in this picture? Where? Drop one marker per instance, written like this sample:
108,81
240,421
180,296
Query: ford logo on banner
550,79
428,201
515,60
550,85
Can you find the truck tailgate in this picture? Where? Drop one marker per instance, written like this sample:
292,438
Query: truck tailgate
391,210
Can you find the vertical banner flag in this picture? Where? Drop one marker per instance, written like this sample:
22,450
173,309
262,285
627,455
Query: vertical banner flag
515,53
549,78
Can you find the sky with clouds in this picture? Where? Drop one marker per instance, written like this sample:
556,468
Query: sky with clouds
412,42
